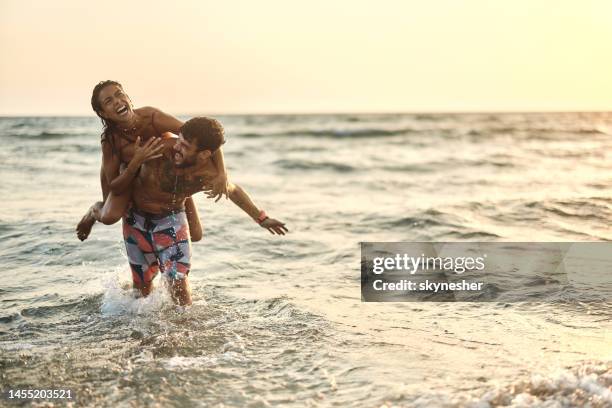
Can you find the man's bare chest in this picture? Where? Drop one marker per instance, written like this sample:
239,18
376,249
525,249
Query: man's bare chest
162,175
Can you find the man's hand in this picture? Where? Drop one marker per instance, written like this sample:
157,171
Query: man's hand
274,226
217,188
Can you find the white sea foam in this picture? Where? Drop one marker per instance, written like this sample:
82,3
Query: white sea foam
16,346
587,383
179,363
120,298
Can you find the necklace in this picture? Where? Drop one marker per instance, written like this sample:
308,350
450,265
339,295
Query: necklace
132,129
128,133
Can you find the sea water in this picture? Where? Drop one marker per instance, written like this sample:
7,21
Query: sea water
279,320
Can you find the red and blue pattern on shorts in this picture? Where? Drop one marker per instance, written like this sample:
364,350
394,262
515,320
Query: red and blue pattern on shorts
157,243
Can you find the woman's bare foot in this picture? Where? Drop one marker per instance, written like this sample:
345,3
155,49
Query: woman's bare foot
84,226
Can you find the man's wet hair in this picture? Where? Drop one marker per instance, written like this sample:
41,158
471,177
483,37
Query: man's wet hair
207,133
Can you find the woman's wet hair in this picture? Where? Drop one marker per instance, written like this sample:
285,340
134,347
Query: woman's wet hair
96,104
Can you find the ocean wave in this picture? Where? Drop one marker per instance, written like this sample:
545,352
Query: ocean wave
50,310
180,363
416,221
308,165
50,135
10,318
440,225
587,384
71,148
58,135
535,132
581,218
430,117
334,133
491,131
472,235
578,130
441,165
593,208
414,168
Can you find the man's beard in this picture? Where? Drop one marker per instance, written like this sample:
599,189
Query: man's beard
185,163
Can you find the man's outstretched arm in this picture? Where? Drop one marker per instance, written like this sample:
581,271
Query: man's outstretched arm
242,200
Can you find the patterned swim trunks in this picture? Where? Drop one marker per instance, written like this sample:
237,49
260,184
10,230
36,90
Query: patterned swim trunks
157,243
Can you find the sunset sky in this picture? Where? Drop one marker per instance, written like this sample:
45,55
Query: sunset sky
273,56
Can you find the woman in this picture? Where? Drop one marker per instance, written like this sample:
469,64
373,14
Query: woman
130,138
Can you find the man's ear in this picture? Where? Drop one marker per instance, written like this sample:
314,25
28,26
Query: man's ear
204,154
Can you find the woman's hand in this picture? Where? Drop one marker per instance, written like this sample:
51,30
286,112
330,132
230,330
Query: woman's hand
151,149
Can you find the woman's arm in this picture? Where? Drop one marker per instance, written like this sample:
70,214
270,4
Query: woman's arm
163,122
120,182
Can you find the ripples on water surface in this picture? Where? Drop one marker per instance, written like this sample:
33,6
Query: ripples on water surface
278,321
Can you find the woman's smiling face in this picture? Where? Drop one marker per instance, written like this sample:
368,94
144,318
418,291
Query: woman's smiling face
116,105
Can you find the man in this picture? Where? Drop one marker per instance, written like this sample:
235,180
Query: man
155,229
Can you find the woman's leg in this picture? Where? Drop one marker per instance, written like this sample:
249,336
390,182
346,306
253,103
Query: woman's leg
108,211
193,219
113,209
83,228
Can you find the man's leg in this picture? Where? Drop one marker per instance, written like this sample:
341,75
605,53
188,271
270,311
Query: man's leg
144,288
173,245
142,259
180,291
